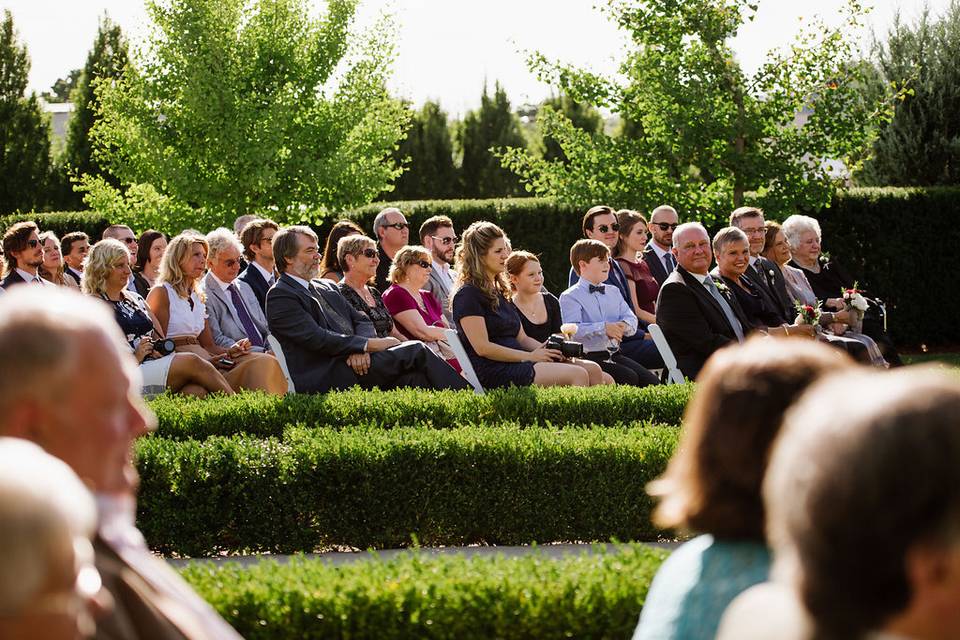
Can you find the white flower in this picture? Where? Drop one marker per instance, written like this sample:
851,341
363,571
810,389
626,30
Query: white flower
858,302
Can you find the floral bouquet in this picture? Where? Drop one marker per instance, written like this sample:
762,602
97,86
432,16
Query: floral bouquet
855,305
807,314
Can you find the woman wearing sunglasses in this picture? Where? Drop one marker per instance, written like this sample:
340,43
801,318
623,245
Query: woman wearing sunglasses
417,312
357,255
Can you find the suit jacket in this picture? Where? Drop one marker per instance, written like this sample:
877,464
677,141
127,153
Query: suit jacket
141,610
13,279
76,276
441,291
773,287
225,325
693,322
315,346
140,284
252,276
653,261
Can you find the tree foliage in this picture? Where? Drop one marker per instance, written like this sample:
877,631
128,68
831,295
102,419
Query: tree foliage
581,115
106,60
494,125
427,152
703,133
24,131
921,145
251,105
61,89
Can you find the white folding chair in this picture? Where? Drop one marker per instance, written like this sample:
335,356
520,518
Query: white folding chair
673,373
453,339
278,352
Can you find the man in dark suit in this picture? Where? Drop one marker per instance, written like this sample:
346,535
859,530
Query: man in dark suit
89,417
657,255
393,232
74,247
761,272
697,315
23,254
257,240
330,345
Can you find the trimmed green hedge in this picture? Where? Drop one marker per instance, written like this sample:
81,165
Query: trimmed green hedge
366,487
446,597
62,222
263,415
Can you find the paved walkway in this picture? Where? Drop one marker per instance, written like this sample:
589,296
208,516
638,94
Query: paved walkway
337,557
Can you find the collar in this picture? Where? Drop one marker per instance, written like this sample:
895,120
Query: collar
700,278
440,267
656,248
753,260
585,285
223,285
303,283
266,274
27,276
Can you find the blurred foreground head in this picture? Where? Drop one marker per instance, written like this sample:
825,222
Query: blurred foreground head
863,503
69,384
47,580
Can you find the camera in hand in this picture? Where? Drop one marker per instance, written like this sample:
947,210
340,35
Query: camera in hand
164,347
568,348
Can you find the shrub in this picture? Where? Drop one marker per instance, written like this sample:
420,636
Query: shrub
366,487
263,415
62,222
417,596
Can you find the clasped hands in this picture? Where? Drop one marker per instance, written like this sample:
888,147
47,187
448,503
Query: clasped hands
360,362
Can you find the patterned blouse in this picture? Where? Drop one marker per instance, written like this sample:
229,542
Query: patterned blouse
378,314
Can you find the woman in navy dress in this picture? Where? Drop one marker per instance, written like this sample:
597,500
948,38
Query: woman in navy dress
489,326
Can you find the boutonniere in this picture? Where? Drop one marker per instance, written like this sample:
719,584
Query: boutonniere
770,273
824,258
722,288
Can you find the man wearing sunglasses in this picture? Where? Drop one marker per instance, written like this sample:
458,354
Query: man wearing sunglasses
23,254
232,308
437,235
124,234
600,223
663,221
393,232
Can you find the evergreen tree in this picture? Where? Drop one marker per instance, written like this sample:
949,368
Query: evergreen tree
107,59
428,154
63,87
24,131
921,145
493,126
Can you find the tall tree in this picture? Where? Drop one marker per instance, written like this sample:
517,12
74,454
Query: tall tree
252,105
427,152
24,131
61,89
703,133
921,145
492,126
106,61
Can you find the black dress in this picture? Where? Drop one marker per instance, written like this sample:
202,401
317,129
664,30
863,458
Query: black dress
378,314
540,332
503,327
752,303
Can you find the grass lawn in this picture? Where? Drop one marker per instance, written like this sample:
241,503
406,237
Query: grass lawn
944,359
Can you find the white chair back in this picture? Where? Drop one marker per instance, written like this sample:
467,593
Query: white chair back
278,352
453,339
669,360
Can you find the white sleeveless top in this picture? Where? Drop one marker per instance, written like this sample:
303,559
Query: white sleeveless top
185,321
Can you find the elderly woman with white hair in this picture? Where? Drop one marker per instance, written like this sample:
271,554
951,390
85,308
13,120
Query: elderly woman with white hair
828,279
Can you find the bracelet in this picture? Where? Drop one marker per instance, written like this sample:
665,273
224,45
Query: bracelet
786,329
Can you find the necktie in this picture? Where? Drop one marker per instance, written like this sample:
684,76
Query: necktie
333,318
595,288
36,280
727,311
669,263
248,327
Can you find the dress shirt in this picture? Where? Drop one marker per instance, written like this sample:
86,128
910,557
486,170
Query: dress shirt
592,311
728,311
116,527
443,272
30,278
660,256
267,275
229,298
303,283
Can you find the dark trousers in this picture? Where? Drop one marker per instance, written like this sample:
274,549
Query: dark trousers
410,364
643,352
623,370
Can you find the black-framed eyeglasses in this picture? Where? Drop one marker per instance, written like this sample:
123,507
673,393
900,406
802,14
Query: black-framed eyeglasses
33,243
604,228
445,241
666,226
423,263
369,253
129,240
399,226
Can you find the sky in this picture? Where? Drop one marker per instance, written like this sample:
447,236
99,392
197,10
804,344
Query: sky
447,49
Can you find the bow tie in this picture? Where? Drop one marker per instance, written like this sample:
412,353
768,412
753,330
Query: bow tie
597,288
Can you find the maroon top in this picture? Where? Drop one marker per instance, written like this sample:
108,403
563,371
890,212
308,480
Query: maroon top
643,283
397,300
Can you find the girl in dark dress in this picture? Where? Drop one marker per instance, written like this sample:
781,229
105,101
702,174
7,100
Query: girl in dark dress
490,327
643,286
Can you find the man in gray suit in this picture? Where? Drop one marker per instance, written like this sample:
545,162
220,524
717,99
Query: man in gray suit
437,235
232,308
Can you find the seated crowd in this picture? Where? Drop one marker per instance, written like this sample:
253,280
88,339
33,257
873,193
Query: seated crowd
201,312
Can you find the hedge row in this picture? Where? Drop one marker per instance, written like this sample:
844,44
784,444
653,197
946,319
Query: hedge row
263,415
62,222
369,488
416,596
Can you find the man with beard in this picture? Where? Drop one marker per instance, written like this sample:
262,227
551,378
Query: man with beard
437,235
663,221
23,253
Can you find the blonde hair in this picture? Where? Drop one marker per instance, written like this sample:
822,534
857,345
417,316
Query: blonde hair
55,278
170,270
102,258
405,257
352,245
476,242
